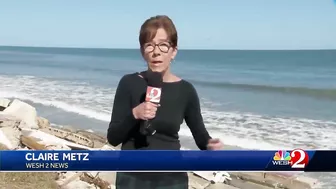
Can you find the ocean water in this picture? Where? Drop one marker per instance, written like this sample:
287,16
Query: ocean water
250,99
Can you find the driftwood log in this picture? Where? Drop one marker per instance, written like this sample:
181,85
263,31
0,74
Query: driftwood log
3,147
95,180
31,143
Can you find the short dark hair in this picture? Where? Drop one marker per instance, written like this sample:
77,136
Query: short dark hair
150,26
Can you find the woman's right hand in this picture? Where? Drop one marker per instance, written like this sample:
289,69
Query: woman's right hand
145,110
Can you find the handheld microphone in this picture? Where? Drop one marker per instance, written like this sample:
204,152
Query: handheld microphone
153,95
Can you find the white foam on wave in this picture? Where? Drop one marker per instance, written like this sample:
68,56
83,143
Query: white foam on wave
261,132
76,97
235,129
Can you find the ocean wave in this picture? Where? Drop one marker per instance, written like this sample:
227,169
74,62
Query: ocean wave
319,93
79,97
253,131
234,128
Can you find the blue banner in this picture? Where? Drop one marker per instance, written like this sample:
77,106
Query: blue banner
228,160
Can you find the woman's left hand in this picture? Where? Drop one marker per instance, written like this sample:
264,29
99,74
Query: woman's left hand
215,144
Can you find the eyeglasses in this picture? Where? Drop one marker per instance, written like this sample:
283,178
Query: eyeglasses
163,46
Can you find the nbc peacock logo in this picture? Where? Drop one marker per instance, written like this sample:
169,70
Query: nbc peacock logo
282,157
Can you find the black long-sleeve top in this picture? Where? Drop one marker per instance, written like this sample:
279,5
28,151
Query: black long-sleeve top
179,101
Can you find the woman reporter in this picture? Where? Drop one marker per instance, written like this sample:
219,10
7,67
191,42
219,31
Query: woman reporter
179,101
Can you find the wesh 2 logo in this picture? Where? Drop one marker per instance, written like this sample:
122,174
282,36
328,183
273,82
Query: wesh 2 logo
297,158
153,94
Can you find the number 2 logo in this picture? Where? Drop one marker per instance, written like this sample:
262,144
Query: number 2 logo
153,94
299,158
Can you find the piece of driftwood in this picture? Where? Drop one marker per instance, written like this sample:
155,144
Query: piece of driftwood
31,143
47,138
3,147
274,180
95,180
68,135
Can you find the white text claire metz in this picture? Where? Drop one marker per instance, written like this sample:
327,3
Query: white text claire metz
55,156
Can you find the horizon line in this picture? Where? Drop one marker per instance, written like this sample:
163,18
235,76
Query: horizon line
129,48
